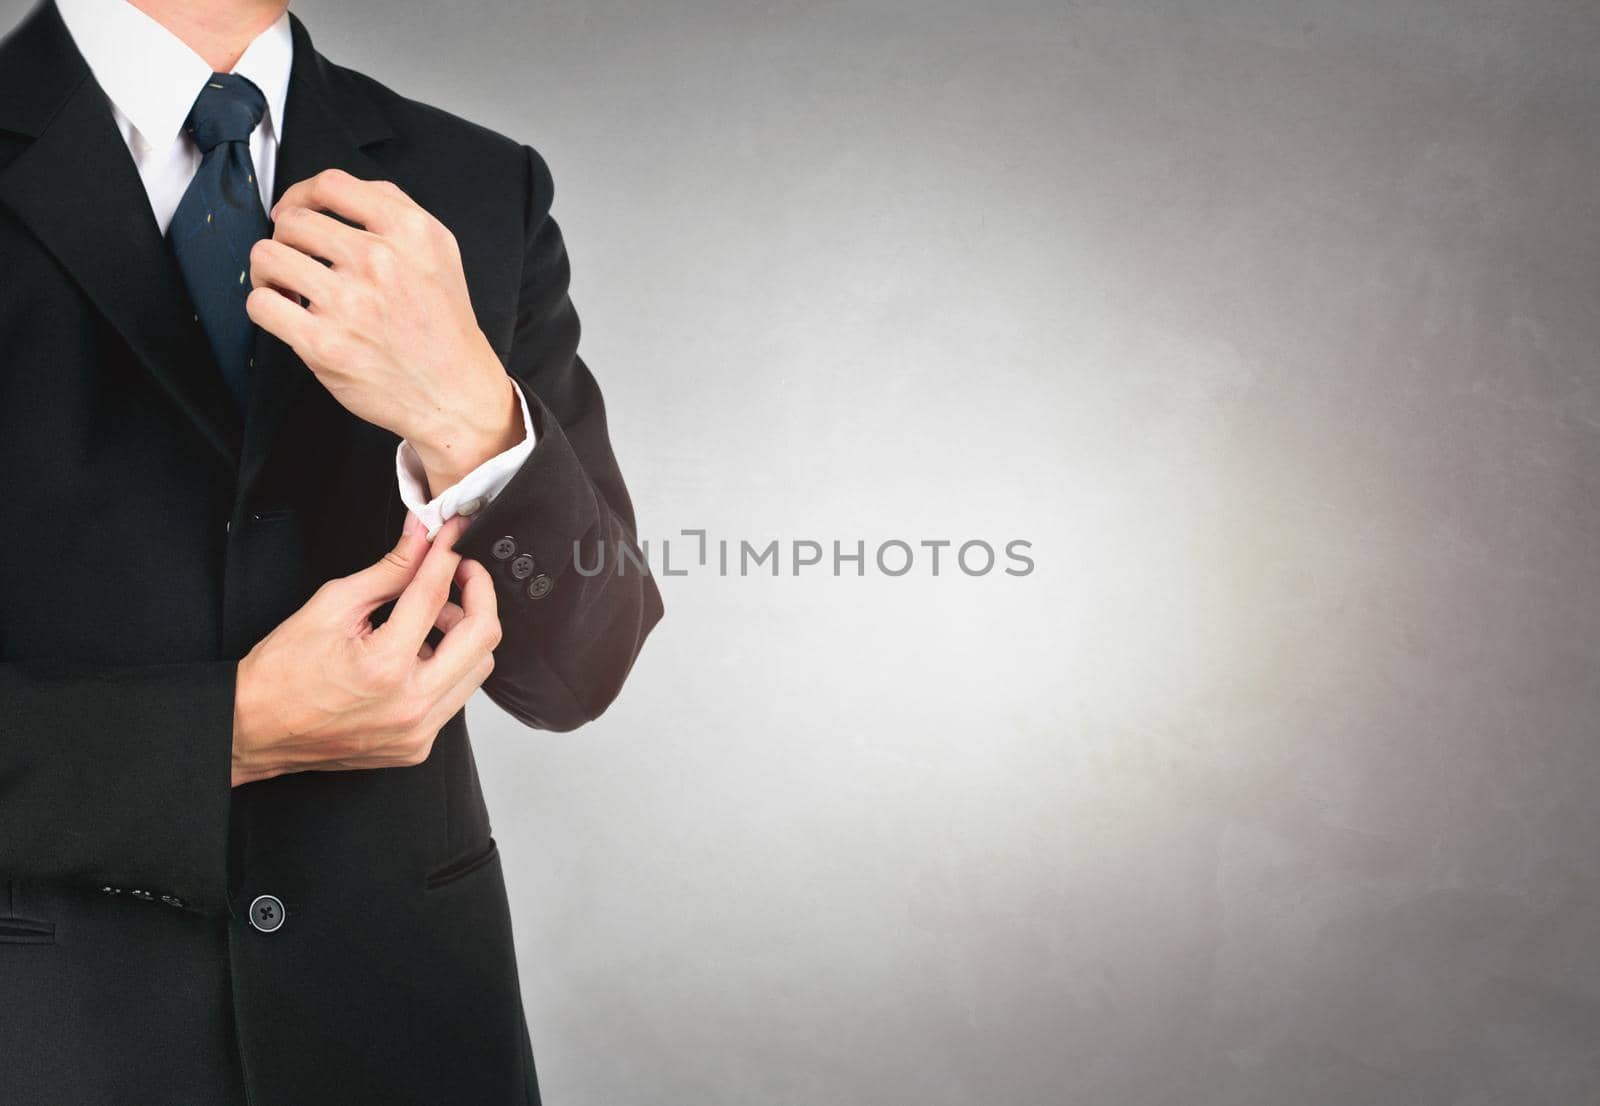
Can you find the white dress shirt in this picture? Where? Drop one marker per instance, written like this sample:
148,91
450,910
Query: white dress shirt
152,79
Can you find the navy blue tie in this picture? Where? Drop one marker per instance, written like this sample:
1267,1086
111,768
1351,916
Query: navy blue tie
219,218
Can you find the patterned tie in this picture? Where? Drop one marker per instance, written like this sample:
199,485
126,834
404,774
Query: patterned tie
219,218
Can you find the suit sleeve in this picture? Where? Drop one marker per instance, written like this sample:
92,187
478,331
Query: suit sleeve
118,776
570,629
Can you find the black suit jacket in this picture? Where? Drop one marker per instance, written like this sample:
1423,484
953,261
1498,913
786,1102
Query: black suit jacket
153,538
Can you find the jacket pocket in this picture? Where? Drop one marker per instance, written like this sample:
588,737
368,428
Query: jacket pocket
26,931
461,867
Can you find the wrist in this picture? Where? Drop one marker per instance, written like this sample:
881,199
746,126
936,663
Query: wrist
249,723
451,450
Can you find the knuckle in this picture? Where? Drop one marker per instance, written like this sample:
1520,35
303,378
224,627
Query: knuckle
396,561
410,714
418,222
381,259
331,348
317,350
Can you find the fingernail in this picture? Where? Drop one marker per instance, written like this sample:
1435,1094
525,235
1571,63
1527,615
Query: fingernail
413,524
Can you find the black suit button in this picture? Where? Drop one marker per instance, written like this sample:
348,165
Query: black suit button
267,913
522,567
504,548
540,586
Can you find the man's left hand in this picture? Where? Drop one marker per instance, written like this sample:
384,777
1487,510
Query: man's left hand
387,325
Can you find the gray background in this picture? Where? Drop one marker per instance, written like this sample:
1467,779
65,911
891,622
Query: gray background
1273,326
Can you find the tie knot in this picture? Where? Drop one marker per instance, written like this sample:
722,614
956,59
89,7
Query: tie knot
227,110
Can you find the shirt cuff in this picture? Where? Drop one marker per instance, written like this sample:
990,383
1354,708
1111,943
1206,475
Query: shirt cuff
474,491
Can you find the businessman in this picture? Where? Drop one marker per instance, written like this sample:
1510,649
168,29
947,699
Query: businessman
298,452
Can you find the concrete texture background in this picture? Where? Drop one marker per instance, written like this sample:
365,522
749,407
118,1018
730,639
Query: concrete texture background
1272,325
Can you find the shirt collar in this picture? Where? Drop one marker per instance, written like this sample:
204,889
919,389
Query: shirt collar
153,77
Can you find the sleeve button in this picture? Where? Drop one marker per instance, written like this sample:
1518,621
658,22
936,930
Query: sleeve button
540,586
522,567
504,548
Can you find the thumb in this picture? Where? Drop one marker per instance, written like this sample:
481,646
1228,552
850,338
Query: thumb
388,576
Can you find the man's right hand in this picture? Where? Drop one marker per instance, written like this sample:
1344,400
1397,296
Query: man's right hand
327,692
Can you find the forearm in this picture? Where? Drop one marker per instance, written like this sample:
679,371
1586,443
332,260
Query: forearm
570,637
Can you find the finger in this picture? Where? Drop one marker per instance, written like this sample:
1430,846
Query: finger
476,633
449,615
281,316
317,235
477,589
478,600
376,205
383,581
276,265
427,592
466,570
458,693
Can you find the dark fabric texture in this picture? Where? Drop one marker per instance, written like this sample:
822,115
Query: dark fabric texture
159,532
219,218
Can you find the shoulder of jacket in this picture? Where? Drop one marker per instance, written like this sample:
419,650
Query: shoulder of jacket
415,122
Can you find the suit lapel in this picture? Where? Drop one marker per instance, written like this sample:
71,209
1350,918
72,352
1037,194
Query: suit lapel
77,190
328,123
